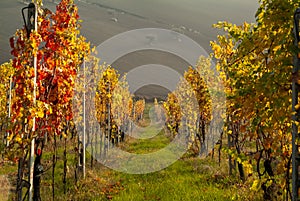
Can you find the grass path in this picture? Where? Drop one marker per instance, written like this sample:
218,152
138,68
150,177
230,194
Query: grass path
188,178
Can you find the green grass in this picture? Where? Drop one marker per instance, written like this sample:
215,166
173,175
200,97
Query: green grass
189,178
180,181
186,179
142,146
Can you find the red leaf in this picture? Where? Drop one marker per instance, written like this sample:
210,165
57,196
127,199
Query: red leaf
12,42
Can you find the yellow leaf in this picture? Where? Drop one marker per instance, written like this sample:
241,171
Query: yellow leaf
40,114
276,48
255,186
18,139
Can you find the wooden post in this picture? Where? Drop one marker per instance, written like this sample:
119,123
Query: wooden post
32,145
296,113
84,121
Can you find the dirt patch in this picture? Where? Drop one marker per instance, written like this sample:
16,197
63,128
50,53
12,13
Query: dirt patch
4,188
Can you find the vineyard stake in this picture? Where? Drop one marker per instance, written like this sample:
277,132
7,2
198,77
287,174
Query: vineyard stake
296,113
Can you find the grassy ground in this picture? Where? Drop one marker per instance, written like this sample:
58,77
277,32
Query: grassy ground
186,179
189,178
